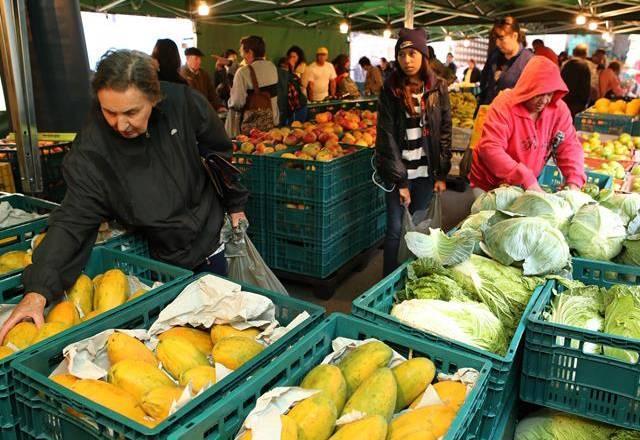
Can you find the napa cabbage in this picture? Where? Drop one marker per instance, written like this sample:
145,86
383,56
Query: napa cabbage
548,424
622,318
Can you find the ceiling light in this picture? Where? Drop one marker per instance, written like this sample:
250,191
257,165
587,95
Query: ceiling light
581,19
344,27
607,36
466,42
593,25
203,9
448,39
387,33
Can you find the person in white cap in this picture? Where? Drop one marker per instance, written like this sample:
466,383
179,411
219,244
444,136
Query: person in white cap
319,78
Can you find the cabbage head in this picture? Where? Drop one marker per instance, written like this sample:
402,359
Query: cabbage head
471,323
622,318
548,424
575,199
631,253
497,199
596,232
475,224
441,248
625,205
541,247
547,206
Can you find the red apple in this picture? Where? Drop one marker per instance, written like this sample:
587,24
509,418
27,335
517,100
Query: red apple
290,140
309,138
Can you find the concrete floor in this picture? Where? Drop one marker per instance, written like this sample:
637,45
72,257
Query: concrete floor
455,207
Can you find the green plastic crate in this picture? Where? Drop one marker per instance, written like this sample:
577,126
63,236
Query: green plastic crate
507,421
42,403
556,375
607,123
101,259
301,181
552,177
224,419
252,168
129,243
375,305
28,204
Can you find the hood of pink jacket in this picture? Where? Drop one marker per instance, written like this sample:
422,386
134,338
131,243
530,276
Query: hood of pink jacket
539,76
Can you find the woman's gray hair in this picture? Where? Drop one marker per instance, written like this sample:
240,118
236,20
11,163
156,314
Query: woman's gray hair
123,68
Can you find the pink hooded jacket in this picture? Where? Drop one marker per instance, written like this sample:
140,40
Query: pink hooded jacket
513,148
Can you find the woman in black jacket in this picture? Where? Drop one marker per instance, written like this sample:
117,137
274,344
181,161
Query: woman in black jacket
166,55
137,160
414,136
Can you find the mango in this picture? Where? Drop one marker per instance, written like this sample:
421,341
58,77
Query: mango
137,293
315,416
49,329
137,377
14,260
328,379
289,430
235,351
81,294
158,401
178,355
375,396
412,376
219,331
199,377
64,312
21,335
112,290
452,393
121,346
5,351
369,428
362,362
198,338
435,419
66,380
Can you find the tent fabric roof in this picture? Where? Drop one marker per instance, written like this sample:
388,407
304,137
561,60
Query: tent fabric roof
470,18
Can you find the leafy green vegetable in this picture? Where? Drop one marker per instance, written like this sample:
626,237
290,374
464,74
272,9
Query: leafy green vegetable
434,286
498,198
596,232
547,206
541,247
440,247
591,189
631,253
580,308
575,199
548,424
622,318
468,322
625,205
474,225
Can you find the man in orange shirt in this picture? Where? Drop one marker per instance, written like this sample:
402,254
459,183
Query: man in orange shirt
610,81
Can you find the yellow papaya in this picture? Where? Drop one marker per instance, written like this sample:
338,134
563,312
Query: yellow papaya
362,362
28,259
96,281
375,396
199,377
158,401
452,393
137,293
111,397
64,312
315,416
198,338
49,329
38,239
112,290
328,379
66,380
21,335
289,430
412,376
219,331
92,314
81,294
14,260
5,351
435,419
137,377
121,346
234,351
178,355
369,428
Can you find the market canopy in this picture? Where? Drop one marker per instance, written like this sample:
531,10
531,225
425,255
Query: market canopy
463,17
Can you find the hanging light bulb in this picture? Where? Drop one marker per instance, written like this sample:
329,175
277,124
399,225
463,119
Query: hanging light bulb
386,33
466,42
607,36
581,19
344,27
593,25
203,9
448,39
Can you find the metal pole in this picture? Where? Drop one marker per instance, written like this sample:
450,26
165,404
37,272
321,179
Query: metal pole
17,74
409,6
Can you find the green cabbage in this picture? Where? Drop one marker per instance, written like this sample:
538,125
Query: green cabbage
548,424
625,205
547,206
468,322
473,226
433,286
541,247
440,247
622,318
631,253
582,308
498,198
575,199
596,232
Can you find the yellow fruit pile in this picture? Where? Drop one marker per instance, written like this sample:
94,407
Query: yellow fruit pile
143,385
362,382
14,260
618,107
87,298
463,106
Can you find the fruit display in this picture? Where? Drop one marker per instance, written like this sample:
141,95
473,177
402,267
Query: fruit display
14,260
370,394
463,106
315,151
85,300
617,107
613,149
611,168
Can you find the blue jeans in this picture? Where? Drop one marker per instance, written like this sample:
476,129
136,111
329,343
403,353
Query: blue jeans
421,192
298,115
216,265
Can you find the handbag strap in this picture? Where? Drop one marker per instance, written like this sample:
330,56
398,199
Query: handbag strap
254,79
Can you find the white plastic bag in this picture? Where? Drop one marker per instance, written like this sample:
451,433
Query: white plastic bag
420,221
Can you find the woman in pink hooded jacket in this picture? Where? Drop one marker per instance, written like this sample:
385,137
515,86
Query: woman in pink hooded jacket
525,126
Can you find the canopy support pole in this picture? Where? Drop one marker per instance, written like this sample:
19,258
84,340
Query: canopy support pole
409,8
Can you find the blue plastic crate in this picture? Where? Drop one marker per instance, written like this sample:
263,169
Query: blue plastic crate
607,123
552,177
223,419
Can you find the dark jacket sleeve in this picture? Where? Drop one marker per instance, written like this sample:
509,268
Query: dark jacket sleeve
73,228
445,134
212,138
212,96
388,152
